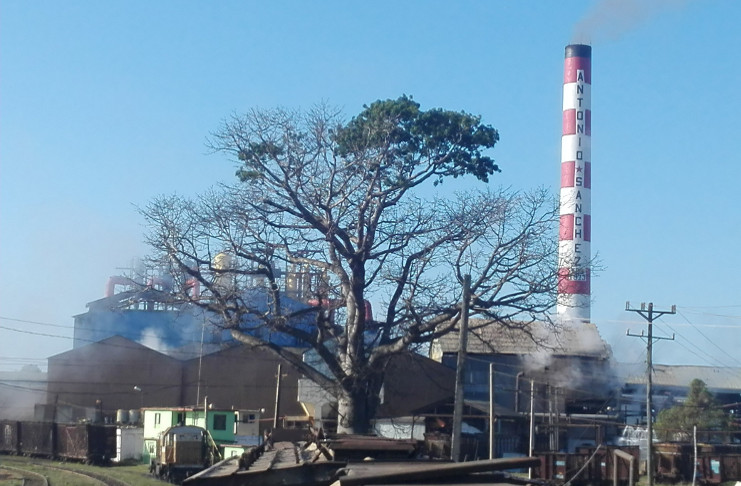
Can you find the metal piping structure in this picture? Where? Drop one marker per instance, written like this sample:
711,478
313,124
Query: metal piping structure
574,252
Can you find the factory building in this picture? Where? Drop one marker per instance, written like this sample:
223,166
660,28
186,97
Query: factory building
117,373
100,379
567,373
669,387
149,314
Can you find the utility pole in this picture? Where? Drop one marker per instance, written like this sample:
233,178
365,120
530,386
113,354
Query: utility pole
277,398
455,446
205,412
694,458
492,441
531,446
649,314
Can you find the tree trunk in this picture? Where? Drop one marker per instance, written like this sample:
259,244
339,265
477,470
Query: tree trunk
356,407
352,416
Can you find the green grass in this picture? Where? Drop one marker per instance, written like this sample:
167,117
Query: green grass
134,475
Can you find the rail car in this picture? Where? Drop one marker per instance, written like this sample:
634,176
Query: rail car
89,443
716,463
673,463
181,451
590,466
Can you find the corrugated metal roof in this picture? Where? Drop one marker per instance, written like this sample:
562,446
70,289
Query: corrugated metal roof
288,465
716,378
432,473
529,338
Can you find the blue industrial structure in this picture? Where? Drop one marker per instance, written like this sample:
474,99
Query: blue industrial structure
152,317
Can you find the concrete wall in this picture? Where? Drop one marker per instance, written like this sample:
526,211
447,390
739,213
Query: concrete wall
242,378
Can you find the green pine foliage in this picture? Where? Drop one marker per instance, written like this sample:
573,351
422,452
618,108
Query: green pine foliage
699,409
407,136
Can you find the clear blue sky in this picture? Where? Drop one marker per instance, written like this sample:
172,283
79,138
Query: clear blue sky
105,105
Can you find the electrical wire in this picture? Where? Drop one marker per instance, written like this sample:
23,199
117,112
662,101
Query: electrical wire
4,318
713,343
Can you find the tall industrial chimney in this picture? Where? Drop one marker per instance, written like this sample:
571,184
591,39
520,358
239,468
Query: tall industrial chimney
574,252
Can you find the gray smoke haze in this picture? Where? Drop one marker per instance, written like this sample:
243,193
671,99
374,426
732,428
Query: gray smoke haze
611,19
561,352
20,391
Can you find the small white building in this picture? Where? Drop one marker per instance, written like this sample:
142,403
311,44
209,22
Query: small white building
129,444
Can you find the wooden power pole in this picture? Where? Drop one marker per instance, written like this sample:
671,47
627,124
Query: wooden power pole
492,420
455,446
277,397
649,314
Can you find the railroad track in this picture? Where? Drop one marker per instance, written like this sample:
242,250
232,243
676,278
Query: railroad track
33,478
101,478
29,478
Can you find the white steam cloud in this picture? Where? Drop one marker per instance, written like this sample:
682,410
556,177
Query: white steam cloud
561,356
153,339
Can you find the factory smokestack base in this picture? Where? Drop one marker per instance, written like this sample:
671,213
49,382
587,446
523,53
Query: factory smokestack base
575,228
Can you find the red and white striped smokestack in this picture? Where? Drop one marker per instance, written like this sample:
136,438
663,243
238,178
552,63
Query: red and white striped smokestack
574,252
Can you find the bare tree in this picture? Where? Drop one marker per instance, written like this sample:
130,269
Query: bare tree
335,213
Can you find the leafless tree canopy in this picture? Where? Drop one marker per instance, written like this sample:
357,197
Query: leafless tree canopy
335,214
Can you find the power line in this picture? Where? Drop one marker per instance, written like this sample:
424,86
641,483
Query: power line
699,351
25,331
693,348
35,322
629,322
711,341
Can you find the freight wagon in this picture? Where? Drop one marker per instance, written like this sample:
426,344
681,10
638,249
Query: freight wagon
90,443
716,463
673,463
590,465
9,437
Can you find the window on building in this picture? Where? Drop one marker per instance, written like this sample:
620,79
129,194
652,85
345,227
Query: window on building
219,421
157,418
